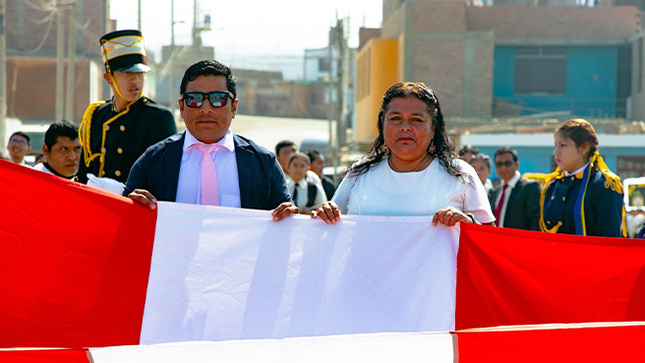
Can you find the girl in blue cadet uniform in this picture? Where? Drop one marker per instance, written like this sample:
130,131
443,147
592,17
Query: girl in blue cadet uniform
582,195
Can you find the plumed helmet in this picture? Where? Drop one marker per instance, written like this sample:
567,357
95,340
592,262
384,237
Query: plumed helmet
123,51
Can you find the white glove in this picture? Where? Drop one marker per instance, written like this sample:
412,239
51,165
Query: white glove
107,184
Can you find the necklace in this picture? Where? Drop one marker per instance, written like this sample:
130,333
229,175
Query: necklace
417,168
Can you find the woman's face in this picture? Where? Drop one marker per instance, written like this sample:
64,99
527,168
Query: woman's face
408,128
567,155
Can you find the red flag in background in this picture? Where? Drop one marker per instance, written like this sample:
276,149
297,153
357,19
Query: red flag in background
86,286
515,277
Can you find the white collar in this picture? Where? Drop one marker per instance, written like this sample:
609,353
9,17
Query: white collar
566,173
227,141
516,177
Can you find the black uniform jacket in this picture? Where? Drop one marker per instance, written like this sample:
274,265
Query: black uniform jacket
113,141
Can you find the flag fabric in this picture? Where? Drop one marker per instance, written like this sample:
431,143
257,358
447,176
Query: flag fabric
83,269
514,277
227,273
74,263
215,273
617,342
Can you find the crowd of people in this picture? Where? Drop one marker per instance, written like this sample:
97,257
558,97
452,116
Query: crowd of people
129,145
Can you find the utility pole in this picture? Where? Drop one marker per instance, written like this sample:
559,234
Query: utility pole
343,81
197,30
139,16
71,69
3,74
331,85
171,68
338,87
60,55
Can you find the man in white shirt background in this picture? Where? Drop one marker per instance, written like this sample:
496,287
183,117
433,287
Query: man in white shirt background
62,150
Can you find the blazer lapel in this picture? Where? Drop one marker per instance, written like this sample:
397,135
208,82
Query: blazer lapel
174,153
516,190
243,158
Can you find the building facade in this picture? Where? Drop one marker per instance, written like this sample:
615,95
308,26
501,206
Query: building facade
32,38
496,61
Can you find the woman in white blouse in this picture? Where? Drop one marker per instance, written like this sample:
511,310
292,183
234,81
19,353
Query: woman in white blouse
412,168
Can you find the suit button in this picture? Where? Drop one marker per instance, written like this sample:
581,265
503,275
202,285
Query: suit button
117,173
548,222
122,128
106,127
552,197
102,173
103,150
119,150
573,178
563,199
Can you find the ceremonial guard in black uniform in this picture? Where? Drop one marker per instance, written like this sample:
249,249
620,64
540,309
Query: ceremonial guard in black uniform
582,196
115,133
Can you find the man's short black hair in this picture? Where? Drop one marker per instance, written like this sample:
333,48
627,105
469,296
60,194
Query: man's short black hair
468,148
281,144
208,67
506,150
23,134
60,128
313,154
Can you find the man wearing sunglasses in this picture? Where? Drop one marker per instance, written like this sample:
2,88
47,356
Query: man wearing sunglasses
116,132
516,200
208,164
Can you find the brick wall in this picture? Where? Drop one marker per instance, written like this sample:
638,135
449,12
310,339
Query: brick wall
32,27
31,77
555,22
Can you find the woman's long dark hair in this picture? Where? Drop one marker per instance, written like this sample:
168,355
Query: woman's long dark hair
444,147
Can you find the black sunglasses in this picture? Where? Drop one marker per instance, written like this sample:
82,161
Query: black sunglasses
499,164
216,99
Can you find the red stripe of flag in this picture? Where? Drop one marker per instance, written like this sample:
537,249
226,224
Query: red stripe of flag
46,356
75,262
514,277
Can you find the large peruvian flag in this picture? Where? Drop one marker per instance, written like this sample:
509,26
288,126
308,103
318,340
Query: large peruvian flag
82,268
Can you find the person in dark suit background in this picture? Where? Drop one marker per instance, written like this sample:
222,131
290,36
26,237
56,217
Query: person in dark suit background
516,201
208,164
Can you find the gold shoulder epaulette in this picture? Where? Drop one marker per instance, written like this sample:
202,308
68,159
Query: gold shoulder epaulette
612,181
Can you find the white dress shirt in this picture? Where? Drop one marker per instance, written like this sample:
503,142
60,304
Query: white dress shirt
189,184
511,184
303,194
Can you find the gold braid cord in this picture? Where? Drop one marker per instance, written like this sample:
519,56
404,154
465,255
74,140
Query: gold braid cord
547,179
84,132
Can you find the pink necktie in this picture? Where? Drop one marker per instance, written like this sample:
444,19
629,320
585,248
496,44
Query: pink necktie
498,210
209,174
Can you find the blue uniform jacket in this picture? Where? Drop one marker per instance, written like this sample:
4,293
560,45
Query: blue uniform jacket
603,207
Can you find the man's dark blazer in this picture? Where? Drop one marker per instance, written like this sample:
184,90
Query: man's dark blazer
523,207
262,183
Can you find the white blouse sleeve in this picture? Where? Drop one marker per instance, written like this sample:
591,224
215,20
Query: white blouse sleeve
476,200
341,196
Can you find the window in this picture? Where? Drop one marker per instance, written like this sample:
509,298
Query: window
630,166
540,70
324,64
